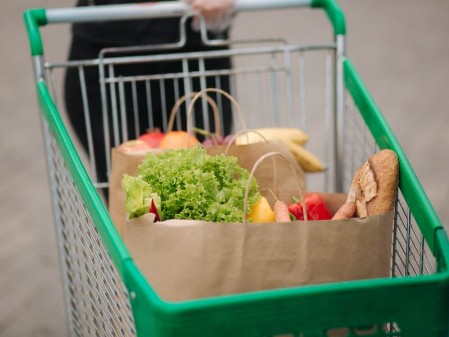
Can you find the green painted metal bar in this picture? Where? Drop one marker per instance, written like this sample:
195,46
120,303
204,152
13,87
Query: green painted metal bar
334,13
34,18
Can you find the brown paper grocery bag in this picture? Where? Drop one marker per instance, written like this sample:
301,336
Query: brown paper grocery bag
185,260
127,163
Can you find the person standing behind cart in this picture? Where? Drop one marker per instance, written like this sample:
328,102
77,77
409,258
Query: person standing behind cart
88,39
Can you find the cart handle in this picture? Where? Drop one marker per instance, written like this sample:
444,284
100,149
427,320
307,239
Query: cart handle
34,18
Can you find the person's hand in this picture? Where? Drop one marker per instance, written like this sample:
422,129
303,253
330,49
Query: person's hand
212,10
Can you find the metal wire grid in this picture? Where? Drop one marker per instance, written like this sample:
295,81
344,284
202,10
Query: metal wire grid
410,252
266,72
270,85
97,302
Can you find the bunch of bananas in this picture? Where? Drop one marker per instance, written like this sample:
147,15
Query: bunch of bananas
293,138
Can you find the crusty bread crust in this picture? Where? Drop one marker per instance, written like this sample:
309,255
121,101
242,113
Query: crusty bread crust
377,183
354,187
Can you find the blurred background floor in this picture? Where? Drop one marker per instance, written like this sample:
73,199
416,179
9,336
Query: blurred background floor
399,47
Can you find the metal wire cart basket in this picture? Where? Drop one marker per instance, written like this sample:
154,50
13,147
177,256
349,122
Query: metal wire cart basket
106,294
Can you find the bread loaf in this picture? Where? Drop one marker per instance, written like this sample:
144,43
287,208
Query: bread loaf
376,184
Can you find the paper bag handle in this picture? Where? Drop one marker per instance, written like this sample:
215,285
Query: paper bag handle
246,131
251,176
264,140
182,99
219,91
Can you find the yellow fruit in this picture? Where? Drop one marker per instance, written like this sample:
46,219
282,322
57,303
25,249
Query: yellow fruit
287,135
262,211
308,161
293,138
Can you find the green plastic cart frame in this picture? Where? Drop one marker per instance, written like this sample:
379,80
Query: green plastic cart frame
415,305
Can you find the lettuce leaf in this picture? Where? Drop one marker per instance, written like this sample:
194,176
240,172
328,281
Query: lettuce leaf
192,185
139,195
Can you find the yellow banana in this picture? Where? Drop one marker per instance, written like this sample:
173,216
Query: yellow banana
286,135
293,138
308,161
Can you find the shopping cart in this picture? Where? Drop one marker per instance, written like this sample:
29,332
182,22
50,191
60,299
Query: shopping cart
105,293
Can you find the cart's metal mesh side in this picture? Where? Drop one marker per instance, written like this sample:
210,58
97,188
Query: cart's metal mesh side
96,299
410,252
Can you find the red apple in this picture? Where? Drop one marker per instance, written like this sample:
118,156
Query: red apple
152,137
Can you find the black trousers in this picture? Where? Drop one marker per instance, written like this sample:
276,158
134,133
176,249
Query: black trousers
82,49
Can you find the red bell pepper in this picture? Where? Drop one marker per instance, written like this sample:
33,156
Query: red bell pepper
316,208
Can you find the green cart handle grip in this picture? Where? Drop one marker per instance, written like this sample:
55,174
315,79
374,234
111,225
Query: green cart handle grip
334,13
34,18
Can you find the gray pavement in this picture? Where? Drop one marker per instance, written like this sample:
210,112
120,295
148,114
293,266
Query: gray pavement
400,49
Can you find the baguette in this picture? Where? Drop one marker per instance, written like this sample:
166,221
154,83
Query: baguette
377,184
